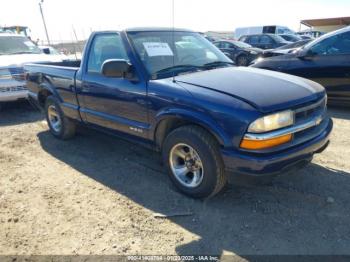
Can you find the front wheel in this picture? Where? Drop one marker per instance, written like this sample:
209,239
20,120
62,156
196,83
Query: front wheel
60,126
242,60
192,157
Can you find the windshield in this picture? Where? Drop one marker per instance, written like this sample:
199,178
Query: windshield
10,45
166,53
242,44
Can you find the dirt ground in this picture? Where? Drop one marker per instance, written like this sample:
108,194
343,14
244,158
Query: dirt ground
96,194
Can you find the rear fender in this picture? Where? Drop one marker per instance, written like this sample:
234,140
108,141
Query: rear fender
45,90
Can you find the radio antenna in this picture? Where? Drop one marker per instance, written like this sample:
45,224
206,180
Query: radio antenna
173,35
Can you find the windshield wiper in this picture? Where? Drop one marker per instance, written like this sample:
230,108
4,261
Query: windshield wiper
217,64
191,68
181,68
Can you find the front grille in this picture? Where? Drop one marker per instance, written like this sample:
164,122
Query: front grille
12,89
12,72
308,112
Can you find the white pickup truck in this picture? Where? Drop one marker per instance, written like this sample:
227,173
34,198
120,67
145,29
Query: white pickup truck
15,51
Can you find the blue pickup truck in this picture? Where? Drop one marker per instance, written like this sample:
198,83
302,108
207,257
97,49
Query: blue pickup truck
174,91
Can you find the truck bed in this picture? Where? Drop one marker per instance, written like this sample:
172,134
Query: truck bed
67,63
59,78
65,70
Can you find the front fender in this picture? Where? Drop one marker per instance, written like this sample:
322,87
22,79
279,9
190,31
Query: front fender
197,118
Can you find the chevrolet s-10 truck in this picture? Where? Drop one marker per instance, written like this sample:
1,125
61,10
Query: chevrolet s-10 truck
176,92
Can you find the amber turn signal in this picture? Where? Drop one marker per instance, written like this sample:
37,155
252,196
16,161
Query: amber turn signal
263,144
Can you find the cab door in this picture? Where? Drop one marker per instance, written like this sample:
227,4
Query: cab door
113,103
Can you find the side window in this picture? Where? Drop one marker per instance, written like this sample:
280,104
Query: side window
265,40
218,44
104,47
227,45
254,39
335,45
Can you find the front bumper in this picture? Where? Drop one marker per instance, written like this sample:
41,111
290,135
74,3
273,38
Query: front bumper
274,163
13,95
12,89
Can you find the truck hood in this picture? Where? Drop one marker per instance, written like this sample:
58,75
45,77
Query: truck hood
21,59
265,90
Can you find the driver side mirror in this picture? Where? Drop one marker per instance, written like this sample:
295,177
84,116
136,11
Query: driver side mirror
305,54
118,68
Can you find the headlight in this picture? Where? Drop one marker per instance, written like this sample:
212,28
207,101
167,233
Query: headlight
253,53
272,122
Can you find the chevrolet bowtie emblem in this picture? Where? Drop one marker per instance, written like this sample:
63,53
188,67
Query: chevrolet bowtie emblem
318,121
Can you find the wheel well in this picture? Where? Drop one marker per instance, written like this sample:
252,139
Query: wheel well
240,55
42,96
168,125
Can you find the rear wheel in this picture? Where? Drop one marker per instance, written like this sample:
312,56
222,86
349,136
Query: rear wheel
60,126
194,163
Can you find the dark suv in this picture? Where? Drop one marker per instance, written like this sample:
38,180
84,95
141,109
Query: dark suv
264,41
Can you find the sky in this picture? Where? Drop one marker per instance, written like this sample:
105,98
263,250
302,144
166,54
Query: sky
200,15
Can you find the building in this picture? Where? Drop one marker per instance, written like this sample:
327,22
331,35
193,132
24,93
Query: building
326,24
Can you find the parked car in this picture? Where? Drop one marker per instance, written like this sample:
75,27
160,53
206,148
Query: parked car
291,37
15,51
209,38
264,41
239,52
286,49
270,29
325,60
49,50
207,117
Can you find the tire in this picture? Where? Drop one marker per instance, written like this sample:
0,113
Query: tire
242,60
63,129
210,178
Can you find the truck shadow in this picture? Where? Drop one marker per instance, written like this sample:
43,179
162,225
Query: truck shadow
19,112
302,213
